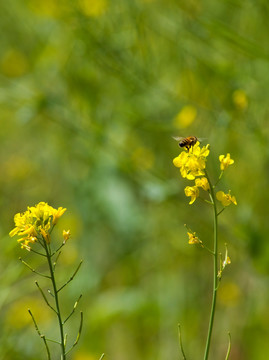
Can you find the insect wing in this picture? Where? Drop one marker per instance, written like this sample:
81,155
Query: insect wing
178,138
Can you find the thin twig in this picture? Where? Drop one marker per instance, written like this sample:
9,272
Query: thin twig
33,270
180,342
37,252
44,297
102,356
39,333
54,252
78,335
51,293
74,308
72,277
55,262
220,211
229,347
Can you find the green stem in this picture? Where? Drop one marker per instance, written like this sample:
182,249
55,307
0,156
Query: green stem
215,271
48,253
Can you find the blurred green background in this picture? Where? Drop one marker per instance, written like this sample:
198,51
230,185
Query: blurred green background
91,93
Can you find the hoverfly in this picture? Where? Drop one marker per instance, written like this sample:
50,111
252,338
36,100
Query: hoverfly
187,142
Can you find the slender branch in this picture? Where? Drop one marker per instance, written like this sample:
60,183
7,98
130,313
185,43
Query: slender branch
79,333
58,249
215,269
39,333
74,308
54,341
102,356
220,211
33,270
72,277
50,292
44,297
55,262
220,176
180,343
229,347
37,252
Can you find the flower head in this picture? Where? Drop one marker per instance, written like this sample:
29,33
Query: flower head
193,192
202,182
193,239
226,199
225,161
66,235
193,162
35,223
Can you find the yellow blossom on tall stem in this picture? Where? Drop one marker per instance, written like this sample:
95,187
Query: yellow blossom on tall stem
193,192
36,221
35,225
192,165
193,162
226,199
225,161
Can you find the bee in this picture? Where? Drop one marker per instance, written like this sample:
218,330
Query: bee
186,142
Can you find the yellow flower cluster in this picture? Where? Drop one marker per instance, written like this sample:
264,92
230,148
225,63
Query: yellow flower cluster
36,222
193,191
192,163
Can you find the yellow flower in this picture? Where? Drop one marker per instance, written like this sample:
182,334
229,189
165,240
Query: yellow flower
193,239
57,214
226,199
66,235
225,161
193,192
240,99
192,163
203,183
36,222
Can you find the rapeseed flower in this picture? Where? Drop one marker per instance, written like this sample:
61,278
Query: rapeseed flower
193,192
193,162
193,239
203,183
226,199
66,235
35,223
225,161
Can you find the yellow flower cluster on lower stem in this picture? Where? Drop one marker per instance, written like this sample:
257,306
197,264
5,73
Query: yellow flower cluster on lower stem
35,223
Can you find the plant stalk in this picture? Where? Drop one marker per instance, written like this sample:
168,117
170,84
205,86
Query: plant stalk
215,270
48,254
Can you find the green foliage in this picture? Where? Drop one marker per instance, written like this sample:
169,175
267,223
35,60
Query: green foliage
90,97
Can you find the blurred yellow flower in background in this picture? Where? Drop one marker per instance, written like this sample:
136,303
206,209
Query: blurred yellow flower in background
93,8
14,63
240,99
225,161
226,199
185,117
